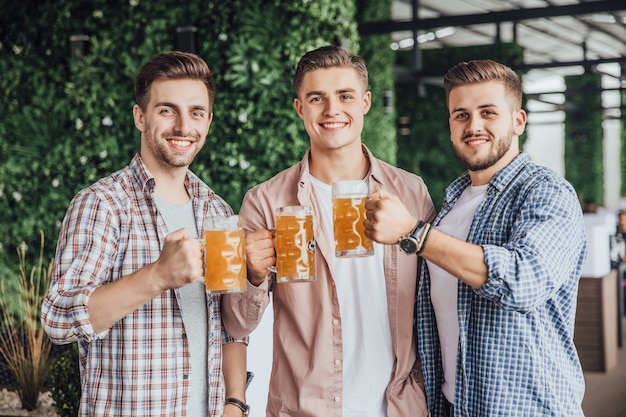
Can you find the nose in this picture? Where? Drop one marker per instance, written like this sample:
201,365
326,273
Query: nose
474,125
182,125
332,107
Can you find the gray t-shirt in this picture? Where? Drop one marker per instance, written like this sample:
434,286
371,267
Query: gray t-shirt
194,311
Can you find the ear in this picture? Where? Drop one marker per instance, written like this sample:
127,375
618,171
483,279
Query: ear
208,127
138,116
297,103
519,122
367,101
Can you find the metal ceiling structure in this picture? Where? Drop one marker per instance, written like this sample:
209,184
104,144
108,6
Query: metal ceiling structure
559,37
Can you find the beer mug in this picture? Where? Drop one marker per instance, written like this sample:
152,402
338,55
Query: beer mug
348,216
224,255
295,244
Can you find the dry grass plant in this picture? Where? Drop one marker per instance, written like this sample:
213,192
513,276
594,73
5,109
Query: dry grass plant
23,343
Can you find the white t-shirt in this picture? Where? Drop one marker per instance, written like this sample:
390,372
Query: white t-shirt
444,286
367,351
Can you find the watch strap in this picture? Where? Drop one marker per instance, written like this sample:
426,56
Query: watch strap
419,234
421,240
239,404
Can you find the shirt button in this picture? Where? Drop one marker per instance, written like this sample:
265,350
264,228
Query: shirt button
337,362
337,399
335,322
184,335
186,376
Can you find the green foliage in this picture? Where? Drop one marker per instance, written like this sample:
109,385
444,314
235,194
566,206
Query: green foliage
584,166
427,150
64,382
68,120
622,158
379,132
10,282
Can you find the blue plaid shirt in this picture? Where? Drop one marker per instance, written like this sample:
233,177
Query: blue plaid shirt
139,367
516,354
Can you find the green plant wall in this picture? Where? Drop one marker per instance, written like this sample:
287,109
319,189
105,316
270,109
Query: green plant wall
379,132
622,158
68,120
424,142
584,167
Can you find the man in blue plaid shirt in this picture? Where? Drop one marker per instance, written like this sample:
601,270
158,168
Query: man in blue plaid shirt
502,261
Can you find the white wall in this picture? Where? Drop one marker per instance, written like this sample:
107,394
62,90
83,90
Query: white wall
260,363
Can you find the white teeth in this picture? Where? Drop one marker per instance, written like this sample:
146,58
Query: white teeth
332,125
181,142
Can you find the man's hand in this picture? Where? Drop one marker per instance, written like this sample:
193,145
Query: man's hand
387,220
260,255
180,262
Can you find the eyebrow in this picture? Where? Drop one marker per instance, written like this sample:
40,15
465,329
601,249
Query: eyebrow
482,106
323,93
172,105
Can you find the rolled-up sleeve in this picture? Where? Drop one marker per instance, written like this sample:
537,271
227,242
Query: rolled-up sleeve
541,253
82,264
242,312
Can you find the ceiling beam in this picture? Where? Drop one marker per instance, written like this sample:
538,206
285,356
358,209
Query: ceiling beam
587,63
514,15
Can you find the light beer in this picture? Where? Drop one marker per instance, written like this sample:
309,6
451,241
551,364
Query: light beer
224,258
295,244
348,217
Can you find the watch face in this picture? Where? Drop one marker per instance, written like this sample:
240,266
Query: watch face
408,245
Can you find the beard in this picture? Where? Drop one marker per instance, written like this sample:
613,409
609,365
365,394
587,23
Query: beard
499,148
167,157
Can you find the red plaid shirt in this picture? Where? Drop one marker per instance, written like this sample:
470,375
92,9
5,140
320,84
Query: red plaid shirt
140,366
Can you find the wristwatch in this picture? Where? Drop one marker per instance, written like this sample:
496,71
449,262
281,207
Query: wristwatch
239,404
413,243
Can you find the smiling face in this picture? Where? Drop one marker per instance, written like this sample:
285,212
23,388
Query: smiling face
174,124
484,128
332,102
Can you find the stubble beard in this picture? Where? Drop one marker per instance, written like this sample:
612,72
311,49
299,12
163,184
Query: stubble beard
499,148
165,156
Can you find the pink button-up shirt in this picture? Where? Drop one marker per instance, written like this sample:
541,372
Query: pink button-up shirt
306,378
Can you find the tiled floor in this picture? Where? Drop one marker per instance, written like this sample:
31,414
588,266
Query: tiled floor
605,394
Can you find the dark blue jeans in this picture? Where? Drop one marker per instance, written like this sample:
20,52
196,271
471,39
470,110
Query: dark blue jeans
450,408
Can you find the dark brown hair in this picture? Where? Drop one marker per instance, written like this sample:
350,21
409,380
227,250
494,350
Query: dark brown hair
480,71
330,57
172,65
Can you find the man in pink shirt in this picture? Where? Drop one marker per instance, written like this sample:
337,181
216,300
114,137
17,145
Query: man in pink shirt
344,344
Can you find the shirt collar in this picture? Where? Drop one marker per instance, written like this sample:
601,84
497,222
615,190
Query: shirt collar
499,181
374,172
140,173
